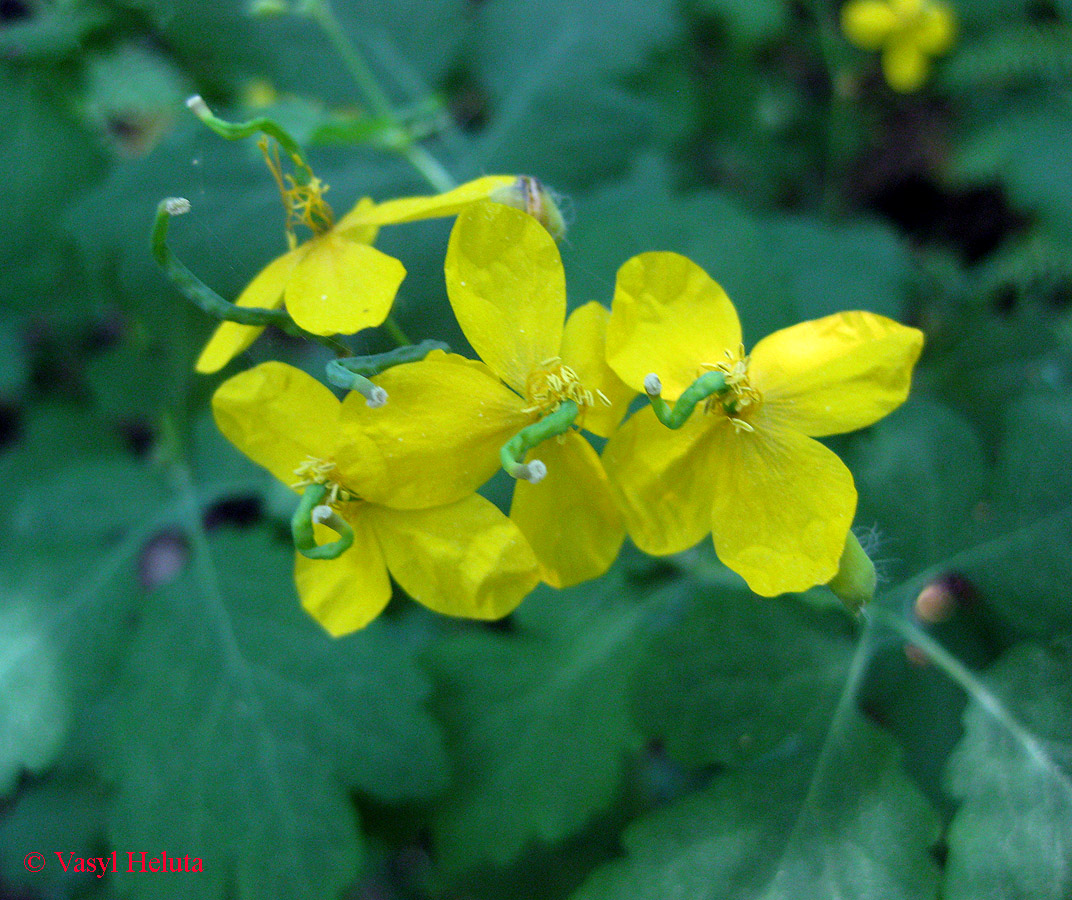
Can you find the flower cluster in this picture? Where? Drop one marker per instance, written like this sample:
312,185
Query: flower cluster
391,486
908,32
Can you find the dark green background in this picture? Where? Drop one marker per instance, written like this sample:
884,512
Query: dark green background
659,733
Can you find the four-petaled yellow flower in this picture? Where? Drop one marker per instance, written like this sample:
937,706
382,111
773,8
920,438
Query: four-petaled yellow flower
440,435
745,467
908,32
335,282
462,559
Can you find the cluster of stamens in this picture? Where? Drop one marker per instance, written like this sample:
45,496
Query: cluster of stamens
303,200
318,471
740,397
553,383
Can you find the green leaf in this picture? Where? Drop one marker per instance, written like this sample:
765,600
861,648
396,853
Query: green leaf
65,813
1012,834
61,625
530,55
938,453
237,712
1025,570
845,824
538,722
777,269
1029,151
522,46
749,23
738,678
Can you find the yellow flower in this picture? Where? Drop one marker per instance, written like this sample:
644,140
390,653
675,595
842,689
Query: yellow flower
908,32
440,435
463,559
744,466
335,282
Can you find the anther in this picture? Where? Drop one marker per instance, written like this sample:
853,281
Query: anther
653,385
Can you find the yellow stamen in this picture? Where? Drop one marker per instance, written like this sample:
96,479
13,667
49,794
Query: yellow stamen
303,199
741,399
318,471
553,383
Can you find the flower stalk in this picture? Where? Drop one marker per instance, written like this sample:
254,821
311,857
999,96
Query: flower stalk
312,510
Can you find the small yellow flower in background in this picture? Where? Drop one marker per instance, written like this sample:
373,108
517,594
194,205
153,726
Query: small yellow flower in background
908,32
440,435
335,282
462,559
744,466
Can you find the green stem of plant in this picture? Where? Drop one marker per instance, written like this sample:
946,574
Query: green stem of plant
514,450
236,131
838,118
707,385
206,299
324,16
427,165
301,526
960,673
399,336
430,167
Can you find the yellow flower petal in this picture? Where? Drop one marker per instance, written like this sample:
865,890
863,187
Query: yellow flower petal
584,346
265,291
277,415
466,559
353,226
347,593
835,374
868,23
570,518
783,504
936,29
905,65
438,438
341,287
411,209
663,481
668,317
507,288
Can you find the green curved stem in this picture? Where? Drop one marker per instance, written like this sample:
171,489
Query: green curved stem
353,372
514,450
236,131
707,385
206,299
301,526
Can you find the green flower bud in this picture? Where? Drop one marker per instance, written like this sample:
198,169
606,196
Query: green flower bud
856,580
529,195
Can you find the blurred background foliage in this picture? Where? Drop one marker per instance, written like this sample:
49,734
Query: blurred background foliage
658,733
